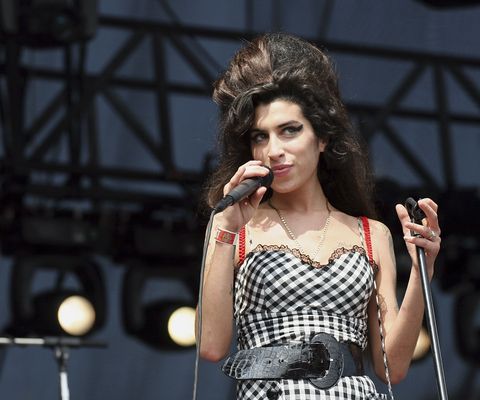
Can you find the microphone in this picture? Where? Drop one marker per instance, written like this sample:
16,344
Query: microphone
244,189
414,211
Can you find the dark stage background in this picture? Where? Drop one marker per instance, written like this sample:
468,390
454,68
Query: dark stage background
143,139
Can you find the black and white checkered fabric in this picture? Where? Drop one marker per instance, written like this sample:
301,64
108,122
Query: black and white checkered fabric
279,298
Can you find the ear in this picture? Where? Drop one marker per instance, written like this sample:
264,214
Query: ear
321,145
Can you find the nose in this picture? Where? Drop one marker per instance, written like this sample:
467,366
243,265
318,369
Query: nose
275,148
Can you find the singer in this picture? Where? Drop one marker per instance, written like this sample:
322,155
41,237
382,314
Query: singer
303,268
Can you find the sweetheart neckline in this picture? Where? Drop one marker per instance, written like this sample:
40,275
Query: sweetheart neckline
335,255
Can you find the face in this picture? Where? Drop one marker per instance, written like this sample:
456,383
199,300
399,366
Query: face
283,139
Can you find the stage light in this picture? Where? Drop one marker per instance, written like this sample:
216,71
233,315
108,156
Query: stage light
467,312
76,315
449,3
49,22
63,313
461,242
422,348
57,309
181,326
166,324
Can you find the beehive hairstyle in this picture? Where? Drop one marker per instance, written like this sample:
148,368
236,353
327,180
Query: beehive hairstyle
284,67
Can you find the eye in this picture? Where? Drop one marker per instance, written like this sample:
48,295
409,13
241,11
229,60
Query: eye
258,137
291,130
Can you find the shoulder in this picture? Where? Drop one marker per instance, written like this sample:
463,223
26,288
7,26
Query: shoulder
343,218
378,229
379,232
382,241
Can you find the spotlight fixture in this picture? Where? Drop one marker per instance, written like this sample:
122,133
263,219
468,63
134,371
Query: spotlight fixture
466,324
48,22
60,313
422,347
76,315
163,324
181,326
449,3
169,324
461,242
57,310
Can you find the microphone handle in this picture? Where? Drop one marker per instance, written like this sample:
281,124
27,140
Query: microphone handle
244,189
227,201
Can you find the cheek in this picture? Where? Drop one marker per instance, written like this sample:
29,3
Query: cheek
311,156
257,154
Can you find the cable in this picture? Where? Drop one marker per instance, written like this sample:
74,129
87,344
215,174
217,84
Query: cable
200,301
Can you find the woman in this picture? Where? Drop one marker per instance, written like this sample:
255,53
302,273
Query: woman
305,263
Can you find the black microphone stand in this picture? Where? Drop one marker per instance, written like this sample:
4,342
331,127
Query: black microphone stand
416,216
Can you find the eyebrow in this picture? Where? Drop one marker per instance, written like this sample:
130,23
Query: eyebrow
282,125
288,123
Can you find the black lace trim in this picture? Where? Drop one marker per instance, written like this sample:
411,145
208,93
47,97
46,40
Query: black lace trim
337,253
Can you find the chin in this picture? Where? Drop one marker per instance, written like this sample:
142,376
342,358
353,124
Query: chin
286,188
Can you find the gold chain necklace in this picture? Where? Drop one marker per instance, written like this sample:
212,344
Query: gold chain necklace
294,238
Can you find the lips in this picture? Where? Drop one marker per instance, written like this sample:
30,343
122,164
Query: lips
281,170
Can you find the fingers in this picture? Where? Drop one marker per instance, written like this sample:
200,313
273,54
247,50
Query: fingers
250,169
401,211
426,234
430,209
432,247
403,217
425,237
422,230
256,198
429,202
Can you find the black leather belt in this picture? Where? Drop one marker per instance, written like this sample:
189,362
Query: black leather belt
323,361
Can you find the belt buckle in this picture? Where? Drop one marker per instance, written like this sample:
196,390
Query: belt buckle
318,360
330,361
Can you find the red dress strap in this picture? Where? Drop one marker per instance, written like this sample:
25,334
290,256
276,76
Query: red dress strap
368,239
241,245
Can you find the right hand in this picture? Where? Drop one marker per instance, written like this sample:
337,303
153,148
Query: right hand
233,218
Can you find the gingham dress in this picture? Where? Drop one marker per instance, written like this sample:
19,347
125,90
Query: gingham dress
282,295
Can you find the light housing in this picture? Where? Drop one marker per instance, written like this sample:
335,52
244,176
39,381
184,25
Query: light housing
35,312
181,326
169,324
441,4
64,313
422,348
163,323
467,310
45,23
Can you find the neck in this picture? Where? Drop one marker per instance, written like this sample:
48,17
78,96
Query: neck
304,200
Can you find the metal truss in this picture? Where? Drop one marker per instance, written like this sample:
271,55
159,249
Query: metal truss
26,148
144,236
23,155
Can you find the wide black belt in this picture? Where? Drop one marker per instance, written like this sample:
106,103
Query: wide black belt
323,361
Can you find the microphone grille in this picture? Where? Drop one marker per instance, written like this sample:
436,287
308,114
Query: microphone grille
267,179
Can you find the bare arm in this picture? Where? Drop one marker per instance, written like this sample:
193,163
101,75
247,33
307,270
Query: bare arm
217,318
402,325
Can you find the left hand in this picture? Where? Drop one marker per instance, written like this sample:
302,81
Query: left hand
429,232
